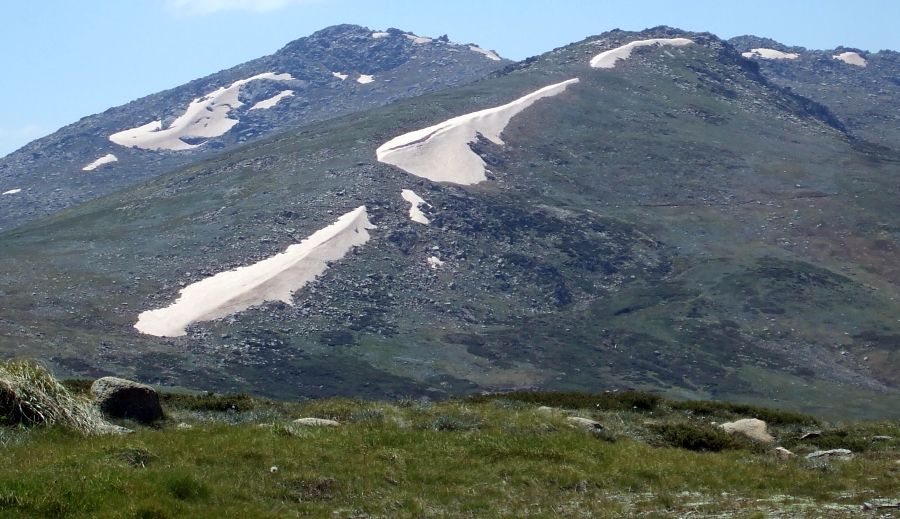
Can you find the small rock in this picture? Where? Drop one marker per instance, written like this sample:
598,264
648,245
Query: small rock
752,428
811,434
782,453
832,454
882,438
546,409
585,423
121,398
316,422
184,426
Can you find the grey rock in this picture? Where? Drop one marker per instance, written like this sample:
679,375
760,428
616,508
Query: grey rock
121,398
829,455
752,428
316,422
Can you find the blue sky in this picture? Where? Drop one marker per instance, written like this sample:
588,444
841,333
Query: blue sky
62,60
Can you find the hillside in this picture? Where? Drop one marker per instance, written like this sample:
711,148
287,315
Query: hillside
333,72
671,221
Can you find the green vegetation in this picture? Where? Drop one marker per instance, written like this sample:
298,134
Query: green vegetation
488,456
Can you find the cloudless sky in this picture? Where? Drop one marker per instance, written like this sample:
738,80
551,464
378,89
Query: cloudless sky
61,60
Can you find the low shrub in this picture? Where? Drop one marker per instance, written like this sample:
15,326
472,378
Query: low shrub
770,416
695,437
613,401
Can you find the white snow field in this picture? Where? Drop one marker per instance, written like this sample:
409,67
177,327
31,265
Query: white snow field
205,117
418,40
365,79
272,279
109,158
769,54
339,75
851,58
441,152
434,262
11,192
379,35
415,206
608,59
265,104
488,54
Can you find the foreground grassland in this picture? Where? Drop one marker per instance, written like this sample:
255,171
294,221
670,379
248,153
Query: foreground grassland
236,456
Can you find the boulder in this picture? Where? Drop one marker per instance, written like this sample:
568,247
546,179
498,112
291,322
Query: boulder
782,453
120,398
752,428
829,455
585,423
316,422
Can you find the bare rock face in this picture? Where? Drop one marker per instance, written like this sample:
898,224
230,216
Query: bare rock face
752,428
830,455
316,422
585,423
783,454
120,398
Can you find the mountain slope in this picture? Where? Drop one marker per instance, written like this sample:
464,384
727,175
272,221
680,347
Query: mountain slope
336,71
674,222
862,88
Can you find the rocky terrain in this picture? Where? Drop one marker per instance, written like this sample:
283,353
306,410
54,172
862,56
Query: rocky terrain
325,70
676,222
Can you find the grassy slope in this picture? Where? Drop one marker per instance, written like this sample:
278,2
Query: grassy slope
485,458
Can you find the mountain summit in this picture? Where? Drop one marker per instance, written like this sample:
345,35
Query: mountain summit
335,71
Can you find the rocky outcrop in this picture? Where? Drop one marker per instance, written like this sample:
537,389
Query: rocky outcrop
120,398
752,428
316,422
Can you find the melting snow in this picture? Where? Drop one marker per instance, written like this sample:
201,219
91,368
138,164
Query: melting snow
106,159
11,192
339,75
851,58
365,79
417,39
434,262
378,35
265,104
272,279
415,204
487,53
608,59
441,152
769,54
205,117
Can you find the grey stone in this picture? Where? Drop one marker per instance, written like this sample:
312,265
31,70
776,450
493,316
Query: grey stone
121,398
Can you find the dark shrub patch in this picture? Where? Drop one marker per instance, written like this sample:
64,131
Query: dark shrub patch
770,416
695,437
620,401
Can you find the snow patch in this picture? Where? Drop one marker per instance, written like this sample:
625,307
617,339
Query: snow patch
418,40
441,152
379,35
487,53
206,117
11,192
434,262
109,158
272,279
608,59
851,58
415,204
365,79
339,75
265,104
769,54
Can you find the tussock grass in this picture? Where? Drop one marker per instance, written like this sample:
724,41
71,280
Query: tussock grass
30,395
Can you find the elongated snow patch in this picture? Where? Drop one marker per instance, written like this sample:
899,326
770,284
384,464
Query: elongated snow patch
206,117
769,54
272,279
418,40
11,192
491,55
442,153
265,104
851,58
415,206
608,59
339,75
365,79
109,158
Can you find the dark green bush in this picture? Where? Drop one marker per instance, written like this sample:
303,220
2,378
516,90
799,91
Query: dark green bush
696,437
770,416
618,401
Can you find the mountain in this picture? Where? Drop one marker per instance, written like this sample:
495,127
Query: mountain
336,71
861,88
636,210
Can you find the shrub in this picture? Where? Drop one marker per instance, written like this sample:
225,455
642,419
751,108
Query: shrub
185,487
770,416
695,437
209,402
618,401
30,395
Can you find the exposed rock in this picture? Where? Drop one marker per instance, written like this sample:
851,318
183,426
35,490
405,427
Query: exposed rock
783,454
546,409
184,426
120,398
810,434
832,454
316,422
752,428
585,423
882,438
